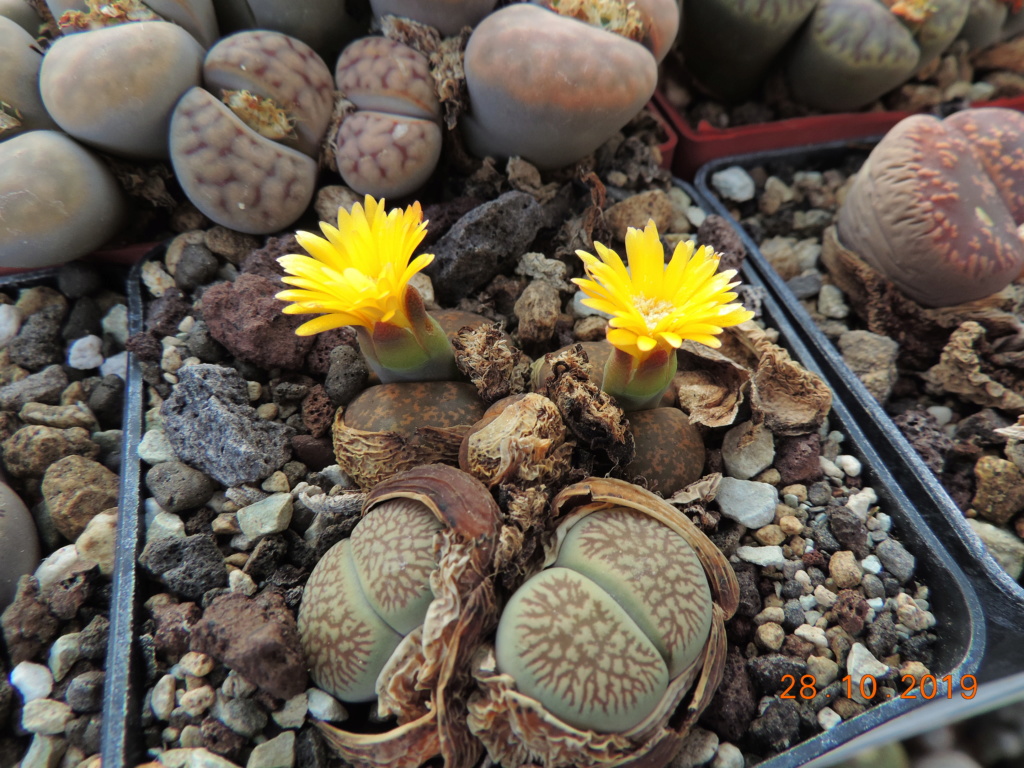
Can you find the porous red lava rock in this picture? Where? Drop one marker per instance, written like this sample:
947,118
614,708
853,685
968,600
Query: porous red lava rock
796,458
256,637
174,624
245,317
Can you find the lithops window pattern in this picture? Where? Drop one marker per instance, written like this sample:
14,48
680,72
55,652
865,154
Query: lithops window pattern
651,572
393,551
569,645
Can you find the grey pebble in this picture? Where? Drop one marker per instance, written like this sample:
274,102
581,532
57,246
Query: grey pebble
42,387
37,343
243,716
346,375
84,693
747,502
178,487
896,559
805,286
734,183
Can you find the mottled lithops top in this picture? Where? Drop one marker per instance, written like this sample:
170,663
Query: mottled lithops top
925,212
597,637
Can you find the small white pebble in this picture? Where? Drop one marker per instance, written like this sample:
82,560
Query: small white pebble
162,700
808,602
33,681
187,324
115,364
824,596
871,564
828,718
65,651
835,436
941,414
10,323
254,389
240,581
815,635
323,706
876,603
811,617
86,353
115,323
849,464
829,468
696,215
860,502
293,713
884,522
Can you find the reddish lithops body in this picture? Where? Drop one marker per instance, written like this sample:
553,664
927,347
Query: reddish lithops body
283,69
925,212
392,143
517,106
152,64
22,108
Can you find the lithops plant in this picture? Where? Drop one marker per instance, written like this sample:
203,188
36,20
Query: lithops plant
19,543
602,52
21,106
60,201
153,64
391,144
935,208
246,158
196,17
990,21
446,16
871,46
609,653
396,612
324,25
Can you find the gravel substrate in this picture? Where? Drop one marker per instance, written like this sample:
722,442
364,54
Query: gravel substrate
62,369
825,589
786,209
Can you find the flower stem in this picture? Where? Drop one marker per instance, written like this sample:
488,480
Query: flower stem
637,384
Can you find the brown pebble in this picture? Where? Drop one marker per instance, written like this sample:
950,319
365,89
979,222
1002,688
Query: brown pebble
769,636
790,525
844,568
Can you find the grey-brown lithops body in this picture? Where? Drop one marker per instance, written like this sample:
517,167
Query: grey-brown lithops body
21,107
396,612
60,201
392,143
274,66
231,173
115,88
595,654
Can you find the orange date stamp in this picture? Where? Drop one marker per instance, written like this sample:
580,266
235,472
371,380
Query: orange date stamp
926,687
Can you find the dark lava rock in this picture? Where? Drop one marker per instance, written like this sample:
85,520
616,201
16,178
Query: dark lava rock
767,672
896,559
793,615
106,400
777,728
851,611
980,429
265,556
882,636
484,242
796,458
177,487
84,733
27,624
76,279
163,314
346,376
819,493
919,648
145,345
318,359
220,739
317,411
197,265
849,531
822,535
245,317
188,566
42,387
750,597
84,318
200,342
92,641
210,425
718,233
38,342
315,453
174,624
924,433
84,693
256,637
310,750
735,703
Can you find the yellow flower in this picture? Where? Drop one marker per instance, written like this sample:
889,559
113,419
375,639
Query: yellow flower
656,306
359,274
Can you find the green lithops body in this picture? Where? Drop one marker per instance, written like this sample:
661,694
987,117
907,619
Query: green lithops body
393,552
346,643
651,572
572,647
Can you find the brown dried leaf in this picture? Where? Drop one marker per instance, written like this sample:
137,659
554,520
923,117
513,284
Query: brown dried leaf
710,386
145,182
519,441
702,491
495,366
525,177
579,232
962,370
327,158
920,332
1014,431
370,457
590,414
788,398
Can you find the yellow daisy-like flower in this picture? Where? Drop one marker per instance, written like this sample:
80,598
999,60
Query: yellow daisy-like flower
656,306
359,274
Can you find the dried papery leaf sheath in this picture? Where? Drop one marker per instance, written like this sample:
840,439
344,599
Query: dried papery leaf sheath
424,682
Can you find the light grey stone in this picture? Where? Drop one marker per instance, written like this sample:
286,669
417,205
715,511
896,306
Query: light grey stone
699,747
323,706
747,502
115,323
271,515
154,448
86,353
293,713
33,681
162,699
278,752
734,183
47,717
1004,546
728,756
44,752
832,303
747,449
763,556
65,651
193,757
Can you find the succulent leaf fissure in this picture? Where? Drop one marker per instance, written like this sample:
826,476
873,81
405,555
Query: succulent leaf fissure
616,16
263,115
